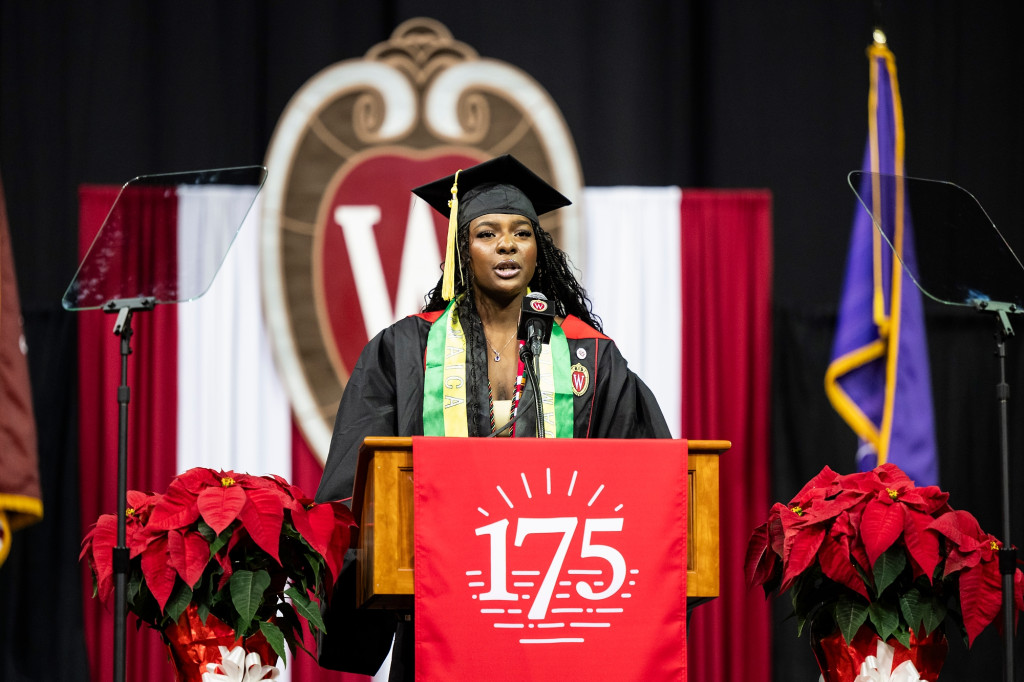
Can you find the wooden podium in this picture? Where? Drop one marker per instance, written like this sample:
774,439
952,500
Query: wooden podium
383,506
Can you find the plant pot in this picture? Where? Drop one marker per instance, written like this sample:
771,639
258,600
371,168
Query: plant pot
192,644
841,662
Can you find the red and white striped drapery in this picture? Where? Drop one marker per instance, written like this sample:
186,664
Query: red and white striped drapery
682,280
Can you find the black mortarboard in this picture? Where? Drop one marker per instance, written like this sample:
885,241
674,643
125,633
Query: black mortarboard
501,185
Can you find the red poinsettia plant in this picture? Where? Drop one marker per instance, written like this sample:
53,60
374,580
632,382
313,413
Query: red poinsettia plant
252,551
872,549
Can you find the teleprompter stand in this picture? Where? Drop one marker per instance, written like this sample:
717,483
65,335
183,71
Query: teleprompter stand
123,329
138,261
961,260
1007,553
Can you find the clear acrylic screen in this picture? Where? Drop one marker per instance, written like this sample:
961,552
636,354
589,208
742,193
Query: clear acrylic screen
961,257
143,249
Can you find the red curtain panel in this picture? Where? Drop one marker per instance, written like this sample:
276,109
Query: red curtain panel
727,287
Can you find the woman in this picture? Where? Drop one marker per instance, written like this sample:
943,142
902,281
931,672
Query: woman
500,252
455,369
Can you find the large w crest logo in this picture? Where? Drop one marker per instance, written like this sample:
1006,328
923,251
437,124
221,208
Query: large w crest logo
346,250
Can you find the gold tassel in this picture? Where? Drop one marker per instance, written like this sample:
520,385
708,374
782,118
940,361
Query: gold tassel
448,280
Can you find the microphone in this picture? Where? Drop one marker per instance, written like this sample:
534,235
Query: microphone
536,318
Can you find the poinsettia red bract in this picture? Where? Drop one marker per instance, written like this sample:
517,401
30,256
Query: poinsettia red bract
212,538
873,549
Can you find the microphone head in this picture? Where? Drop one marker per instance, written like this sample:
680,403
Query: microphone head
536,317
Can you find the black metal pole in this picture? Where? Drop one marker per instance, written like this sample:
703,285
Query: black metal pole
536,344
123,328
538,397
530,367
1007,555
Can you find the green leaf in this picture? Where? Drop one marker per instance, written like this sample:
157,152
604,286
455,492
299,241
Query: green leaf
801,620
204,529
308,608
274,637
933,614
288,621
807,596
860,571
221,540
316,563
206,589
217,598
297,644
179,600
888,567
247,589
300,576
902,635
884,618
850,615
912,608
134,587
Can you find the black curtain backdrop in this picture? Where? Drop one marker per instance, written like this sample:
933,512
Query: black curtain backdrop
700,93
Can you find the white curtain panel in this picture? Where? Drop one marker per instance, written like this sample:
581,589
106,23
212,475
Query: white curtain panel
233,412
632,255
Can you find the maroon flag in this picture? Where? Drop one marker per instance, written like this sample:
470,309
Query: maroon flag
21,502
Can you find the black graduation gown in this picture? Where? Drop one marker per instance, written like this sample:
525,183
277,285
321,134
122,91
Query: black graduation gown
384,397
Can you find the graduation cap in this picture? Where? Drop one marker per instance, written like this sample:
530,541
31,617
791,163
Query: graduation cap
501,185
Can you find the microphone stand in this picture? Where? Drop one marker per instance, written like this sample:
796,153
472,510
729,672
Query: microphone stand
529,358
123,329
1007,555
535,321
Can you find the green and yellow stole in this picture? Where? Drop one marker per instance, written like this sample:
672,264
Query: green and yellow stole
444,381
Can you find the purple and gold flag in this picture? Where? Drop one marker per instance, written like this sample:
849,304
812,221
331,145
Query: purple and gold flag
878,379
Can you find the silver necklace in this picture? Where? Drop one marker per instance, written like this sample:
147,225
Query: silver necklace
497,353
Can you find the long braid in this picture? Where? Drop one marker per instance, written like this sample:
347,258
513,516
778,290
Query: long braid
477,391
477,394
555,278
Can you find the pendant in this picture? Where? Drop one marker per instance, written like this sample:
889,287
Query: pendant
497,356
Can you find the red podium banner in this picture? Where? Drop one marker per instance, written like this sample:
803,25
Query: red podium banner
548,559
